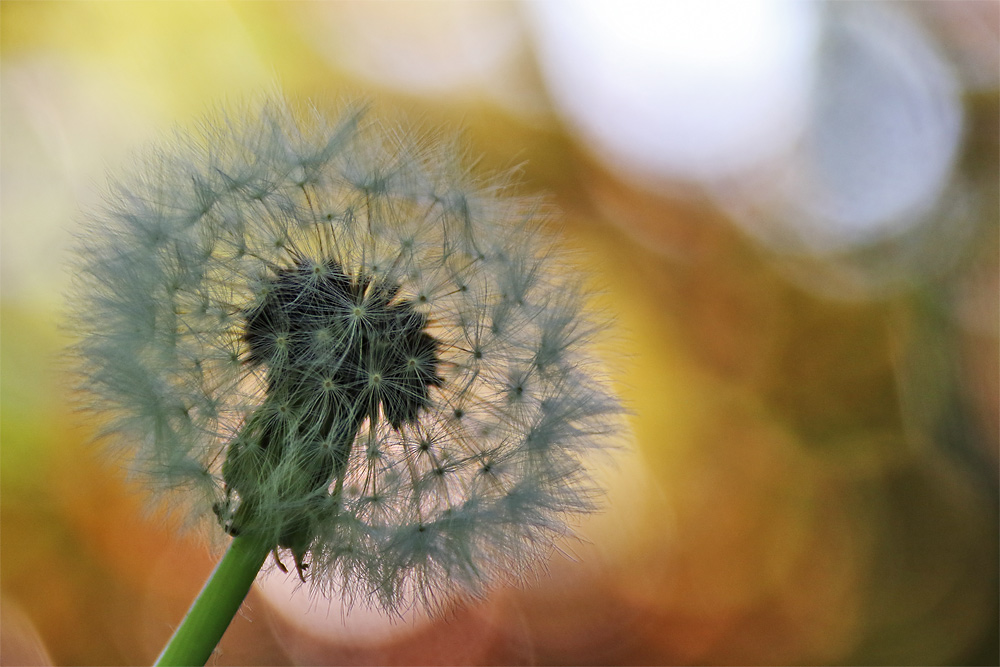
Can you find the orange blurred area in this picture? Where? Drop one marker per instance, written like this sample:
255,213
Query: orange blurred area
813,474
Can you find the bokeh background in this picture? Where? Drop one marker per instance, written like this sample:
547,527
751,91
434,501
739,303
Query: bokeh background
791,210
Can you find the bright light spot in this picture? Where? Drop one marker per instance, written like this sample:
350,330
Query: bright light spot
679,89
328,617
887,123
417,46
884,132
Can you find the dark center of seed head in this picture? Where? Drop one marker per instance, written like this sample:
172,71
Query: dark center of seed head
319,326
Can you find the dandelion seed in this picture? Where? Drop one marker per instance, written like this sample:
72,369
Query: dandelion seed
336,339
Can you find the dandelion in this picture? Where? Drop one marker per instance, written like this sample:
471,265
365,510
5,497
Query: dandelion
336,345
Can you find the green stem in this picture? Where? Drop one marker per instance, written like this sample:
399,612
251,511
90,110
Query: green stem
220,599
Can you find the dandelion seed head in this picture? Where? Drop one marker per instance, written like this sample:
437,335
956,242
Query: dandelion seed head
332,335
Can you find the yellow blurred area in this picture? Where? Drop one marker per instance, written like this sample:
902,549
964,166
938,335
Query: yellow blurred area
813,477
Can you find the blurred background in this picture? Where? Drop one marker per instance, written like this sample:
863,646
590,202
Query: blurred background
791,211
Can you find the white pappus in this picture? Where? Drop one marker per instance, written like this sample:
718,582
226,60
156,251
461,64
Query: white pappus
331,334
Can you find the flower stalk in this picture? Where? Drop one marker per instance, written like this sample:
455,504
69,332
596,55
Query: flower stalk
214,608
